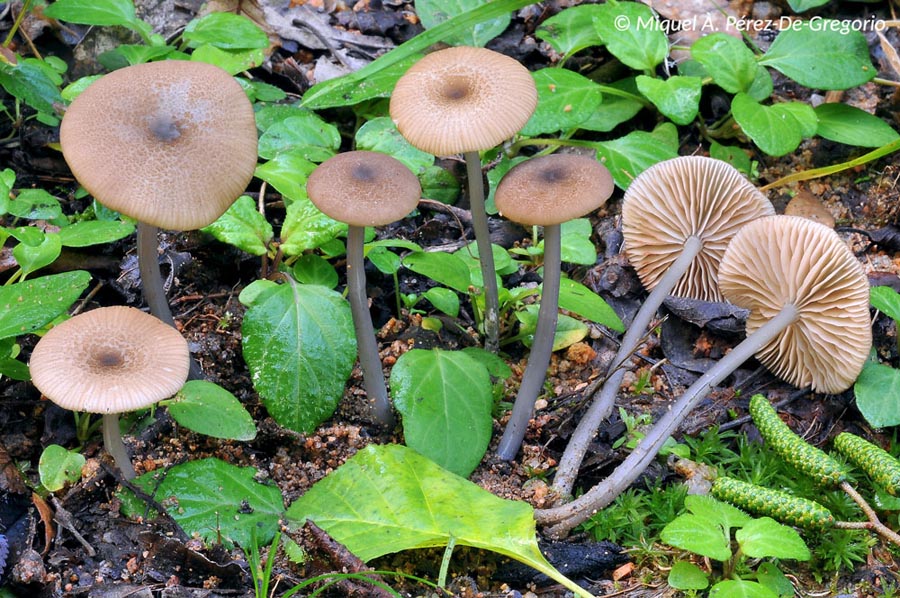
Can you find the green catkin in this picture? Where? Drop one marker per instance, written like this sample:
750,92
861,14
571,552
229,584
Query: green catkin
781,506
875,461
806,458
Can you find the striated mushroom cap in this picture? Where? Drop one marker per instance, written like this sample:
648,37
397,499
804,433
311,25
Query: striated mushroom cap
683,197
172,143
110,360
363,188
788,259
462,99
553,189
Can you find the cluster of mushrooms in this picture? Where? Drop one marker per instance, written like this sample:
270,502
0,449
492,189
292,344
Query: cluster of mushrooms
173,144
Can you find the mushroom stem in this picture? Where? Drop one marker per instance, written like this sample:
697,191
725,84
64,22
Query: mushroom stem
600,409
565,517
485,252
112,440
541,348
369,361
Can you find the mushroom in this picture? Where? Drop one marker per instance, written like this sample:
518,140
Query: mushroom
546,191
171,144
809,323
363,189
110,360
677,217
465,100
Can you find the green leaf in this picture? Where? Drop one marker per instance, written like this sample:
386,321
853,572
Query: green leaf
629,156
740,589
435,12
243,226
31,258
769,575
815,55
389,498
231,61
445,399
614,109
699,535
58,467
631,34
305,227
105,13
728,61
29,305
31,84
35,204
676,97
577,247
876,390
578,299
381,135
438,184
804,5
733,154
130,54
495,364
215,500
300,346
314,269
571,30
444,300
568,330
773,128
305,134
850,125
716,512
765,537
565,99
687,576
225,30
287,173
886,300
94,232
209,409
444,268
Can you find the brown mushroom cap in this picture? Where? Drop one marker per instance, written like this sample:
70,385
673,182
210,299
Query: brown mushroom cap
172,143
462,99
683,197
788,259
553,189
363,188
110,360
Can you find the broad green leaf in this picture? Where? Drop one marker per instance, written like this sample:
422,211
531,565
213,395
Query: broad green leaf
568,330
128,55
578,299
258,91
495,364
300,346
565,99
305,134
34,204
629,156
31,258
687,576
287,173
314,269
438,184
734,155
209,409
765,537
576,246
106,13
571,30
74,89
243,226
231,61
850,125
886,300
815,55
716,512
698,535
215,500
380,135
94,232
445,400
31,84
254,290
29,305
29,235
676,97
305,227
769,575
58,467
503,263
389,498
435,12
728,61
876,391
775,130
733,588
444,300
444,268
614,109
225,30
632,34
803,113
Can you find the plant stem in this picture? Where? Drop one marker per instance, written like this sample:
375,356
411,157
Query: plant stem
369,361
485,252
565,517
602,405
112,440
541,348
873,523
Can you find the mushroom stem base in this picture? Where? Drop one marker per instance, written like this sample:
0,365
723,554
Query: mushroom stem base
485,252
112,440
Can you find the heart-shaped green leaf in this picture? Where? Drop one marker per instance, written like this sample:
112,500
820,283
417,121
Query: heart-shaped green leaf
26,306
765,537
209,409
676,97
565,99
243,226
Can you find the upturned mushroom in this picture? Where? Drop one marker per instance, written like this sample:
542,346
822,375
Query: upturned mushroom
809,323
677,217
465,100
546,191
363,188
171,144
109,361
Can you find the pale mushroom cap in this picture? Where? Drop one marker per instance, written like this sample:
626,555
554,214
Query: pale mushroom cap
462,99
683,197
364,188
788,259
171,143
110,360
553,189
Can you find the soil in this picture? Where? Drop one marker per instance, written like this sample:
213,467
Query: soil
76,542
